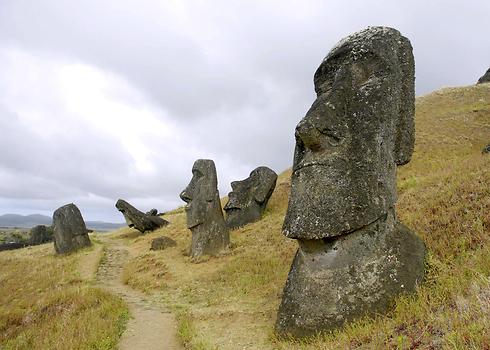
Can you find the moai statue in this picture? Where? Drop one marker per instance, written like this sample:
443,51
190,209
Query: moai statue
70,232
204,215
249,197
139,220
354,256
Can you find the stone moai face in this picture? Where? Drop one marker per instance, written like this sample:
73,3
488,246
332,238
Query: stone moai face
354,257
249,197
201,192
357,131
203,209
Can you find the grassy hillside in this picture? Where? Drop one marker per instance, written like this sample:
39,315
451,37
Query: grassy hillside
230,302
49,302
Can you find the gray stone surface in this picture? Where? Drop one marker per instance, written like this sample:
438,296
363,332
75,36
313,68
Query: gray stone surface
161,243
355,133
335,281
139,220
485,78
204,215
70,232
152,212
39,235
353,257
249,197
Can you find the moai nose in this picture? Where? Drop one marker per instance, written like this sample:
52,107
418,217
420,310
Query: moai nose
309,135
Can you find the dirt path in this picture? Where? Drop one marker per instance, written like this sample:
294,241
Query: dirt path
151,325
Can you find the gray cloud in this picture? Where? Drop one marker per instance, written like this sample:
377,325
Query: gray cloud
222,80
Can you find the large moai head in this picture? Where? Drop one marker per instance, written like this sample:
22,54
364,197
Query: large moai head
357,131
203,209
354,257
249,197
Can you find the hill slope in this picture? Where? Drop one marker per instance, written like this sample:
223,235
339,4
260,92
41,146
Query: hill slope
230,302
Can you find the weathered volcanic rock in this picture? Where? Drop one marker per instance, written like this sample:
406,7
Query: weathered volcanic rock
485,78
152,212
353,256
204,215
161,243
70,232
39,235
139,220
355,133
335,281
249,197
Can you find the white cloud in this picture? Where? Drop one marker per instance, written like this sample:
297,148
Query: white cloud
101,100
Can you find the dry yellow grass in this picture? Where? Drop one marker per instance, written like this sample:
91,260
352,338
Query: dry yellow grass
229,302
48,302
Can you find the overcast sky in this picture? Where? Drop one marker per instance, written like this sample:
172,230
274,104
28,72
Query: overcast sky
108,99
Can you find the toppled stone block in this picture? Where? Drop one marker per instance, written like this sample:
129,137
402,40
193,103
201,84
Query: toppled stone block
70,233
139,220
152,212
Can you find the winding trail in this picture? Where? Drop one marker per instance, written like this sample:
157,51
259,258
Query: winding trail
151,325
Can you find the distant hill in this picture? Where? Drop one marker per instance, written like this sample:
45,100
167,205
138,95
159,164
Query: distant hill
28,221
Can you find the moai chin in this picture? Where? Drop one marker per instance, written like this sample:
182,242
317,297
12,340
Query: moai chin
204,215
249,197
353,256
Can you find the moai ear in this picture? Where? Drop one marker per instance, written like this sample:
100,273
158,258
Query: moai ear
405,126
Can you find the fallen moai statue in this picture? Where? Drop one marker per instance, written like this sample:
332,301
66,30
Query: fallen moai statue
139,220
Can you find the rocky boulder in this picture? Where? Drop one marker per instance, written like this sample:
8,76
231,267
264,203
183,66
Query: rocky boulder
39,234
152,212
70,232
